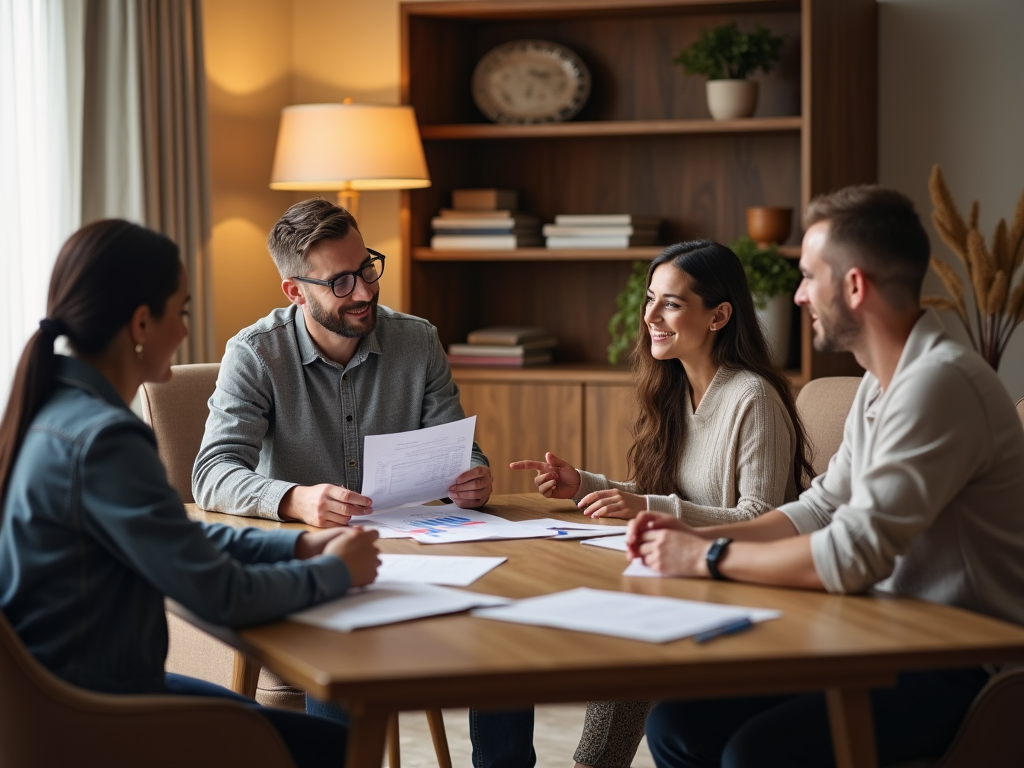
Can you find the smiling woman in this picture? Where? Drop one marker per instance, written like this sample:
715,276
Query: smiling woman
717,439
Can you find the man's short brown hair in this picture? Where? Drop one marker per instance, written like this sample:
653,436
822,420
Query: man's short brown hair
878,230
300,228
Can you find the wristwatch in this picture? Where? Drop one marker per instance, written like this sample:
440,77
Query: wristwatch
717,551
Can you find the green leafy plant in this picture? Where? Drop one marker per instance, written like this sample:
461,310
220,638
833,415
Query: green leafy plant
727,53
769,273
630,302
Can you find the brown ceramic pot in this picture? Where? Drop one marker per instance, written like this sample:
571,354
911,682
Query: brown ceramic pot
769,225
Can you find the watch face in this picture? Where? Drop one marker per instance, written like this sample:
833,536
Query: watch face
530,81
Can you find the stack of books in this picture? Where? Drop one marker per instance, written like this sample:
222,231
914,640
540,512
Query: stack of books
614,230
484,219
510,346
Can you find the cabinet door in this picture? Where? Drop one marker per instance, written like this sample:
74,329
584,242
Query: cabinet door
522,421
610,412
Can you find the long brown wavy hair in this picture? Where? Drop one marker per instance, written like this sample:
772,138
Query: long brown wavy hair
105,271
716,275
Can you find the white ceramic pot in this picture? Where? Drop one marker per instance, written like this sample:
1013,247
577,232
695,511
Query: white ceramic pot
730,99
776,319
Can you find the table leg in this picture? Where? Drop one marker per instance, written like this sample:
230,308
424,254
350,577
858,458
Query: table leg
366,733
437,732
394,750
245,675
853,731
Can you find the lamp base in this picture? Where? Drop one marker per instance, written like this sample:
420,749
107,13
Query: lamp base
349,200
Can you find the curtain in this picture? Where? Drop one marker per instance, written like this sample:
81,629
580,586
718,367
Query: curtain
41,96
145,135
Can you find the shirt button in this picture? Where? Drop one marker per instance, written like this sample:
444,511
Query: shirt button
348,418
344,377
352,463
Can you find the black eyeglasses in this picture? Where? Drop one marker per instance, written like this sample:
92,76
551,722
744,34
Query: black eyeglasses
342,285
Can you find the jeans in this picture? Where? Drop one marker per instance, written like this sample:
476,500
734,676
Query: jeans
916,719
501,738
312,742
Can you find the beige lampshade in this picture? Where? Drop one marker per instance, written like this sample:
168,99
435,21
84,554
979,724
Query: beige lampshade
348,146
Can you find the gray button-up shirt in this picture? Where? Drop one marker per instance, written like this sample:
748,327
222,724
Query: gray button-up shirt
283,415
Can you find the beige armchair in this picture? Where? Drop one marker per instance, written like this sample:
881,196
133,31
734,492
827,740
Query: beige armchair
823,405
46,722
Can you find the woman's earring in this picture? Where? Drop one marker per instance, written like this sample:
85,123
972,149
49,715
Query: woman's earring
138,350
713,328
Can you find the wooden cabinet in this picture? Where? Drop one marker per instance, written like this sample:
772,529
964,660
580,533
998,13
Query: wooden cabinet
643,144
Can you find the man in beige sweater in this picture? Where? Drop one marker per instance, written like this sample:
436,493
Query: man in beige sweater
923,498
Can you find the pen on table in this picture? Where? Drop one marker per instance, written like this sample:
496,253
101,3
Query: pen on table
729,628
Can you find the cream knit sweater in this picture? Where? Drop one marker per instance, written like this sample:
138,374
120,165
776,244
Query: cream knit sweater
737,460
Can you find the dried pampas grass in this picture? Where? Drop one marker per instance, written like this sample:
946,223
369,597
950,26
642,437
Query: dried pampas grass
998,304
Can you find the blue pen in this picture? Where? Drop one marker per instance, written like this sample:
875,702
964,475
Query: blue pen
729,628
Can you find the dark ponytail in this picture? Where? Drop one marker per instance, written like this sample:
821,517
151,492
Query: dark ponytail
104,272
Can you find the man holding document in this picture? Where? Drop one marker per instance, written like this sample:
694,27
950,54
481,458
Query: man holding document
923,499
299,391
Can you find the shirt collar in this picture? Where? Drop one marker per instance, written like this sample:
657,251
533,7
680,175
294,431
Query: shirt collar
74,372
309,352
926,333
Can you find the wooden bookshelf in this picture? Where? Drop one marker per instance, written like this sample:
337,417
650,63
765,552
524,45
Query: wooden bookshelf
643,144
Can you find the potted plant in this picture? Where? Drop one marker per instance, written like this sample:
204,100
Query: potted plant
772,278
625,323
727,56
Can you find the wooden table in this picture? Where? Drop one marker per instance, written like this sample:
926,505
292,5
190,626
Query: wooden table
843,645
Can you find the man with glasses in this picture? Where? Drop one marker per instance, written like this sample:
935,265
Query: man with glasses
298,390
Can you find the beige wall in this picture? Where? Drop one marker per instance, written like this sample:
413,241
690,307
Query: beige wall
262,55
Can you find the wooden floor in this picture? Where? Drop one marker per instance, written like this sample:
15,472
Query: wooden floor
556,734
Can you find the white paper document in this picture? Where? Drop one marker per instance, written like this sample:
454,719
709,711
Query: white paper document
388,603
382,530
449,524
417,466
560,529
448,570
635,617
615,542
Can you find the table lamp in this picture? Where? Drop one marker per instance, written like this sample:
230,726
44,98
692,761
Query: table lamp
348,148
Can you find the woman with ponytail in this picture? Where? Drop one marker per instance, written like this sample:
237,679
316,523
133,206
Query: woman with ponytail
93,537
717,438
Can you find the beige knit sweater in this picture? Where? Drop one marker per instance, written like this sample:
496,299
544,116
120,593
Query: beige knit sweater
737,460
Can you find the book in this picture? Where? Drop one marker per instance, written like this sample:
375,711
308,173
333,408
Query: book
515,221
463,231
625,229
456,213
607,241
507,362
485,199
507,335
502,350
507,242
606,220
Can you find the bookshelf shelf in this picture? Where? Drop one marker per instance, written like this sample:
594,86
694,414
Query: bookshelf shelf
539,254
611,128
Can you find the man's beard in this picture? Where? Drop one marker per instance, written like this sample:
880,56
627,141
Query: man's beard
339,323
837,329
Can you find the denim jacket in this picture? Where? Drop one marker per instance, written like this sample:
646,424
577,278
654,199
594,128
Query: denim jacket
93,537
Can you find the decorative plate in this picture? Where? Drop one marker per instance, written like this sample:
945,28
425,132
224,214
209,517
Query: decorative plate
530,81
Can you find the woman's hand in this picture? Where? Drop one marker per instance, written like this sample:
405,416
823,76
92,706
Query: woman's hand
613,503
667,545
358,548
556,479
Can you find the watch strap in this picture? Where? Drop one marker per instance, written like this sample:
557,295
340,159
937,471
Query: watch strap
715,553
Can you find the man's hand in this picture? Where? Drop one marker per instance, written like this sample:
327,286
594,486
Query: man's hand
556,479
667,545
472,489
613,503
312,543
323,506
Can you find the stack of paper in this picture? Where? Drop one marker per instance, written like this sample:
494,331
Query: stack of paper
635,617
